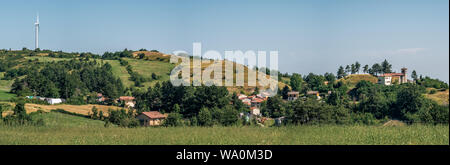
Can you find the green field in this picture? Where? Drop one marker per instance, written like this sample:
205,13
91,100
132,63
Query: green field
4,95
146,68
66,129
143,67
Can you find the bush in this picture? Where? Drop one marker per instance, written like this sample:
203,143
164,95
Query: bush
364,118
433,91
173,120
205,117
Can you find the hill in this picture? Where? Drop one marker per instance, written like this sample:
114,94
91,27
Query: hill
144,63
353,79
441,96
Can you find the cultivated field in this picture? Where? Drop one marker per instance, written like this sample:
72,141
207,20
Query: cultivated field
67,129
78,109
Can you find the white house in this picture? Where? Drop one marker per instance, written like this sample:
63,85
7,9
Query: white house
54,101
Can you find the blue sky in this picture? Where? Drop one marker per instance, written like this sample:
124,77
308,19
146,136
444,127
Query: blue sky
311,36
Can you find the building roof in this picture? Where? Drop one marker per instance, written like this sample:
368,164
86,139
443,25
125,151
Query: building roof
154,115
391,74
257,100
312,92
126,98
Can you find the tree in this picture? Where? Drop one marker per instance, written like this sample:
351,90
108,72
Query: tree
296,82
353,69
410,100
176,108
330,77
376,68
414,75
285,91
274,107
366,68
204,117
347,69
154,77
341,72
357,66
174,120
141,55
386,67
229,117
94,114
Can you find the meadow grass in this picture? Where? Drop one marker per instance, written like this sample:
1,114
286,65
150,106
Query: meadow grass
146,68
4,95
67,129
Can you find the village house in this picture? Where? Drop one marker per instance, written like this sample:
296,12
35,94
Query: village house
241,96
255,111
100,97
315,93
152,118
393,78
256,102
293,95
128,101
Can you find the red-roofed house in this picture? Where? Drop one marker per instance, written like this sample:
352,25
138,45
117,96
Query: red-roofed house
128,100
256,102
151,118
393,78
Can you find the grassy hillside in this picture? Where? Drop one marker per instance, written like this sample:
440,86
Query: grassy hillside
5,95
441,97
151,62
353,79
66,129
145,68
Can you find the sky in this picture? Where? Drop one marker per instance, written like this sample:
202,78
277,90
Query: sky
310,36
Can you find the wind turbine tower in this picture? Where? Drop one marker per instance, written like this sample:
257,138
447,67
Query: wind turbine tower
36,26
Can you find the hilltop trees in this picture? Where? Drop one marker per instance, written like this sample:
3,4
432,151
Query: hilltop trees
69,79
366,68
341,72
296,82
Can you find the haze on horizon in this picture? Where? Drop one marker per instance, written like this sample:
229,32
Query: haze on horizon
311,36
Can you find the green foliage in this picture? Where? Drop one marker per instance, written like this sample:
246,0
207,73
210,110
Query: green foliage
204,117
274,107
312,111
173,120
296,82
94,114
122,118
364,118
428,82
69,79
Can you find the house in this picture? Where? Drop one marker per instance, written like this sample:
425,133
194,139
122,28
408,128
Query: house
54,100
242,96
293,95
100,97
247,101
255,111
316,93
128,101
152,118
393,78
256,102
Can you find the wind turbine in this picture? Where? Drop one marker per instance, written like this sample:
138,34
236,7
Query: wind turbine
36,26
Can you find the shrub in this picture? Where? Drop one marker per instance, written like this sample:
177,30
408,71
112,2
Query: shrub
205,117
174,119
